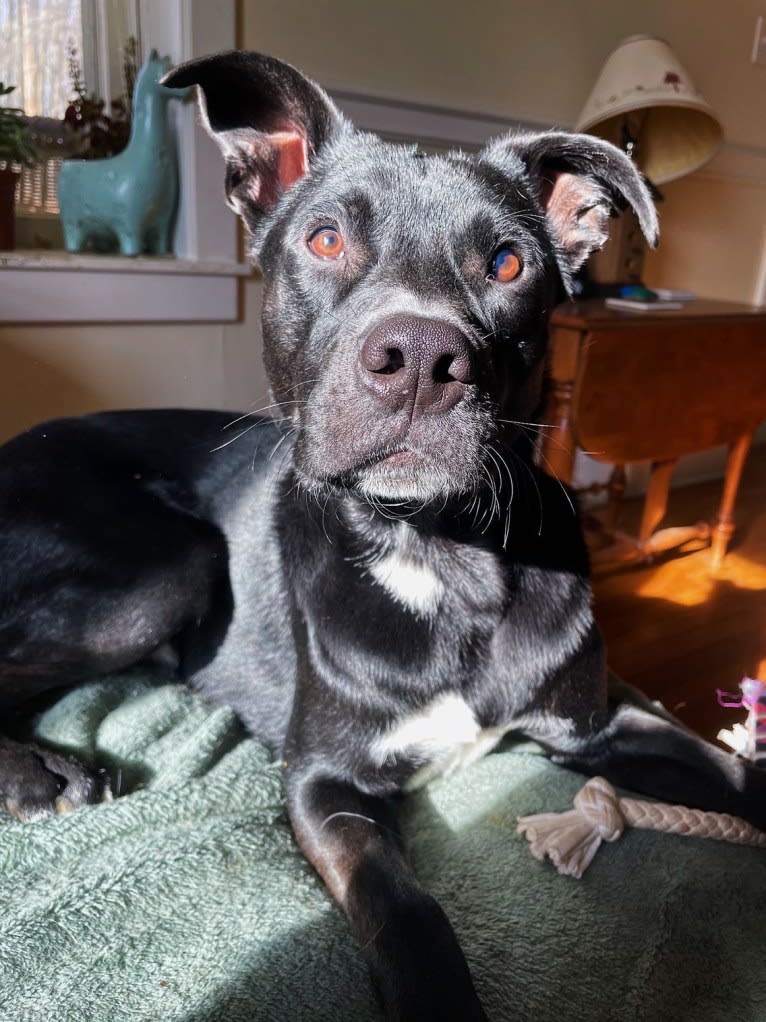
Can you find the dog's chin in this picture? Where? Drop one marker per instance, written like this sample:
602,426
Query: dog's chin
406,476
396,477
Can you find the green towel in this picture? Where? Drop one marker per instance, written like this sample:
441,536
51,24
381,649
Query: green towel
186,899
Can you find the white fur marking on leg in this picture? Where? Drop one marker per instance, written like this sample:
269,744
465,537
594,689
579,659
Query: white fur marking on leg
445,733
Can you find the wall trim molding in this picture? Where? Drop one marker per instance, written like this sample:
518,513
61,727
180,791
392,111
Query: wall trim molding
735,162
404,120
106,295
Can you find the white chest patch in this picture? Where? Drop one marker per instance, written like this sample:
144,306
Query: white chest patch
445,733
409,582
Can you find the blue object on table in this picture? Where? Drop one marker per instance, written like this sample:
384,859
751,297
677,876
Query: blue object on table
127,201
637,292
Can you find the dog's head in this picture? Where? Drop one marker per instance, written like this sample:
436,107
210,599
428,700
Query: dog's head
406,295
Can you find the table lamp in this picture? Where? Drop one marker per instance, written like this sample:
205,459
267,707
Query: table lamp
645,103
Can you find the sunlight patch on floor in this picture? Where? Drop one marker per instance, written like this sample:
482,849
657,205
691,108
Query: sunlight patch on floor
690,583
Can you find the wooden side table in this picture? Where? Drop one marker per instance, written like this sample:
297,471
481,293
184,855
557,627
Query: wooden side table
650,387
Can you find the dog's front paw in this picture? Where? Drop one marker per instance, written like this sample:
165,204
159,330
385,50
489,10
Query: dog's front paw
37,782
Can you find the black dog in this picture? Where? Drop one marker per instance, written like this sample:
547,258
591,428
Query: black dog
383,583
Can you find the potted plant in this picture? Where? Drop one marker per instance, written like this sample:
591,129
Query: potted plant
16,152
100,129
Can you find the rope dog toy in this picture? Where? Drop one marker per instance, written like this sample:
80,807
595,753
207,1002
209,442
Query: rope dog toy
572,838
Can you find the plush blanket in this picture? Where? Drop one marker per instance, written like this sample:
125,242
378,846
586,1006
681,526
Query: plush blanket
186,899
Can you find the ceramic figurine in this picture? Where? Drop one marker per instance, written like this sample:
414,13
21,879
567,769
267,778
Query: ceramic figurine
129,200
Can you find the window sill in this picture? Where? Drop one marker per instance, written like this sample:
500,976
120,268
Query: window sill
40,286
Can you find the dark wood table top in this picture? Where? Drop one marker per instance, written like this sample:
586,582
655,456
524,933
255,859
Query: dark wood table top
594,314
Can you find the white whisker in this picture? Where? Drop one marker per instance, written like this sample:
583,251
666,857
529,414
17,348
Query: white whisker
357,816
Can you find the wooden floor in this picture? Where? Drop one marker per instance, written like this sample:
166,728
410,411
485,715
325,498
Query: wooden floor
679,632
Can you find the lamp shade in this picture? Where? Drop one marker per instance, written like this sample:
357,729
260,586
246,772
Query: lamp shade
643,86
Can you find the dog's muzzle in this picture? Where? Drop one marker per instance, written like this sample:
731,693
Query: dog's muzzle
422,365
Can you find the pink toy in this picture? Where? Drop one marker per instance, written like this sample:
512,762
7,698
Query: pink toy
748,739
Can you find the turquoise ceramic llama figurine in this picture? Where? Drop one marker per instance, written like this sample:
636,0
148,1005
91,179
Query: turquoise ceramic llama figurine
129,200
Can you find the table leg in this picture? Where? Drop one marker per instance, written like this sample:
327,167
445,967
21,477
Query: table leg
724,526
616,490
656,500
557,446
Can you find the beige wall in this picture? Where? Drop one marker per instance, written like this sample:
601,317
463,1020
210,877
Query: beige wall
60,370
534,61
712,237
55,370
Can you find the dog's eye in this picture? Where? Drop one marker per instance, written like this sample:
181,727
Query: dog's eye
327,243
505,266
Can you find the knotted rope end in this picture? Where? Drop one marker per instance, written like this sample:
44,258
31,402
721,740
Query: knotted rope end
572,838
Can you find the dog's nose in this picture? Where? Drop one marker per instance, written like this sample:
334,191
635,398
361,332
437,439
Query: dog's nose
411,360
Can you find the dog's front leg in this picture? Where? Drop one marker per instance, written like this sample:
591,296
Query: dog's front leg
645,752
415,961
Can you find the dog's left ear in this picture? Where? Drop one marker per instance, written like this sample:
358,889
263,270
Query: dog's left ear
580,182
268,119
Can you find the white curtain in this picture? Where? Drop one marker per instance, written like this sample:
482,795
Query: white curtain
35,36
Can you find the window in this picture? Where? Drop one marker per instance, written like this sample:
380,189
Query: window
37,36
37,40
34,59
34,38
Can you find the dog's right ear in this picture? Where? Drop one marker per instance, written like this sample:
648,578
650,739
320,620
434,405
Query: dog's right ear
268,119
